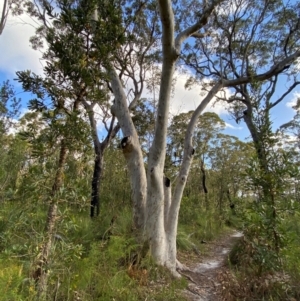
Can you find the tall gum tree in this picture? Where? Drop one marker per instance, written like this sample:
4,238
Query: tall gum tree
208,125
255,36
152,196
72,80
78,43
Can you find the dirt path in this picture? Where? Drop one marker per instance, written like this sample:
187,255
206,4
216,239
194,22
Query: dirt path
203,277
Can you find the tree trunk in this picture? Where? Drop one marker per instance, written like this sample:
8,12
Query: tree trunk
40,275
95,197
265,182
4,15
132,151
161,227
204,184
256,137
99,149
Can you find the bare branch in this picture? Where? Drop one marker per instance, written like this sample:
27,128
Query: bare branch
4,15
181,37
276,69
272,105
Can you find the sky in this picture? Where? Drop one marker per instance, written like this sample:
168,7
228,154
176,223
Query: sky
17,55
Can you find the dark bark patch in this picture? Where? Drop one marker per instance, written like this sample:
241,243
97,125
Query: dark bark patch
125,141
95,197
193,151
167,182
203,177
126,144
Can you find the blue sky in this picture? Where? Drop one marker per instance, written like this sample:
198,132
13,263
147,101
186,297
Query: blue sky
17,55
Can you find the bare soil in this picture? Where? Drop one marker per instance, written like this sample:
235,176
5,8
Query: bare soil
203,271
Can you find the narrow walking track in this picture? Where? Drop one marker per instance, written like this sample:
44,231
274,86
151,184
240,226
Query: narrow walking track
203,277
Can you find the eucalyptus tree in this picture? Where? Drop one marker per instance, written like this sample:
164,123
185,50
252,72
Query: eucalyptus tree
252,37
79,43
229,158
208,126
155,208
253,102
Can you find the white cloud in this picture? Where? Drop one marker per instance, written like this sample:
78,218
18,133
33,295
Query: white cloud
185,100
293,101
230,126
15,125
16,52
17,55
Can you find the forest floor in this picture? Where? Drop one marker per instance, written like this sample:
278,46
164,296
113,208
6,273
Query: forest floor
204,271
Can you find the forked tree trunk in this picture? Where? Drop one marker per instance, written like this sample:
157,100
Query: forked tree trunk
155,210
99,148
40,274
159,220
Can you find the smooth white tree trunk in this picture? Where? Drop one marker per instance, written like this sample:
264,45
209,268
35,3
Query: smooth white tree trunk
155,208
131,150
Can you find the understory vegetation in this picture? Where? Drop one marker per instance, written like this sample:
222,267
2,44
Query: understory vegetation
100,259
92,259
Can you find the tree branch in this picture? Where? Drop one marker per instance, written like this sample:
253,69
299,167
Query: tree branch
181,37
5,11
272,105
276,69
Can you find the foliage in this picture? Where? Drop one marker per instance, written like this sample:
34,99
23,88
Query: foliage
9,107
11,281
